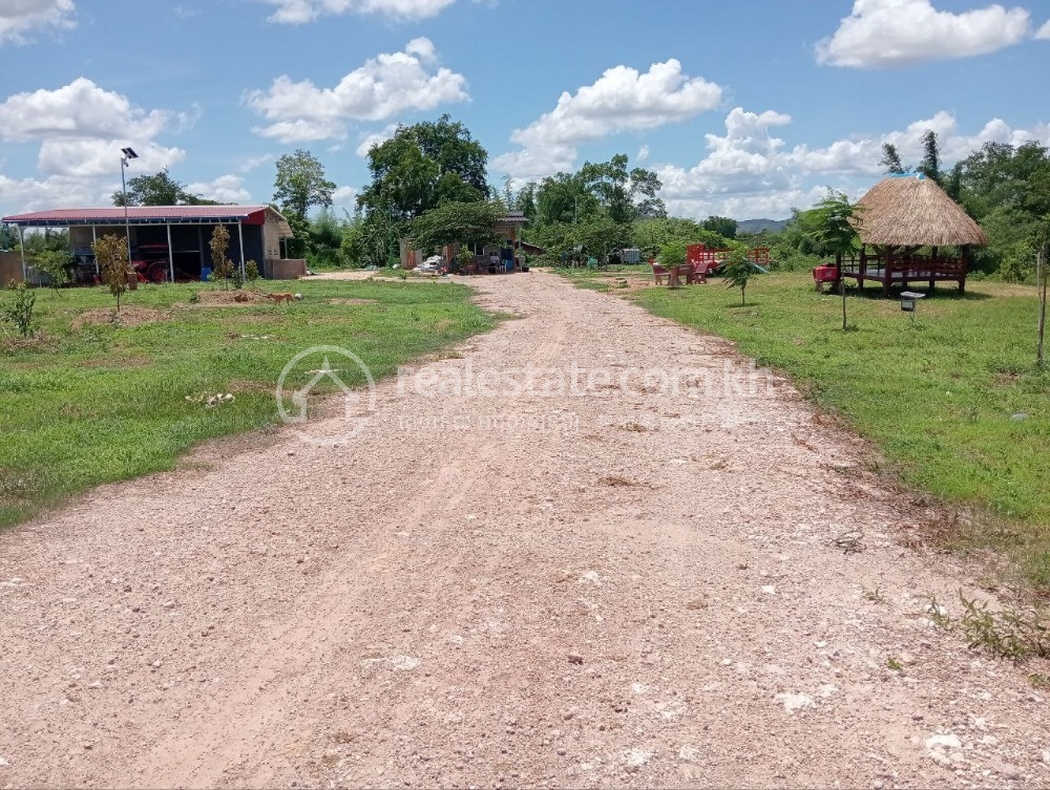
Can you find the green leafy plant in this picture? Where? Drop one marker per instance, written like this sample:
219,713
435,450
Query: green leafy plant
55,264
111,252
19,311
251,271
1008,633
737,272
221,265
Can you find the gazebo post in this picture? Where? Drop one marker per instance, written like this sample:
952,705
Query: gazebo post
933,268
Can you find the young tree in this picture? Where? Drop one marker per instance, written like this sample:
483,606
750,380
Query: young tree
221,265
737,272
833,232
111,253
56,264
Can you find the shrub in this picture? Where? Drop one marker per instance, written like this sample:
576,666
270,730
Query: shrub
19,311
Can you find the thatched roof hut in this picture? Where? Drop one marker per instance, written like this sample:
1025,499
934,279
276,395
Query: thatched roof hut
913,211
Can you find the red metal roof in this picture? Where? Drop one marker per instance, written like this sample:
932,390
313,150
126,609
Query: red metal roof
145,215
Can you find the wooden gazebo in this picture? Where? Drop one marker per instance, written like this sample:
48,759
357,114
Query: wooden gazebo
900,215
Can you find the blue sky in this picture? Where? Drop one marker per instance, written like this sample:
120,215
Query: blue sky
744,109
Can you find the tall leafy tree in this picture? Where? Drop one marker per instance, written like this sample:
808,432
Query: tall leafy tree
723,226
891,160
159,189
301,184
621,192
456,223
931,157
422,166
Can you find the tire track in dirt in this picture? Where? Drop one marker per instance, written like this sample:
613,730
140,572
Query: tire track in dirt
642,595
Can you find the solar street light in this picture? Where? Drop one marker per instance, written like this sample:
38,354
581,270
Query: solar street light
127,154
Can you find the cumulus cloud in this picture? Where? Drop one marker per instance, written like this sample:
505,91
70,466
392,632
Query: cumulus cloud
224,189
749,172
298,12
19,17
81,129
1043,32
55,192
375,138
383,87
622,99
79,110
887,33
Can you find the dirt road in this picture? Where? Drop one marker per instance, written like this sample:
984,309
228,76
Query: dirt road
537,564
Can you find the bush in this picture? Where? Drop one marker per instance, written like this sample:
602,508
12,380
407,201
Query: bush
19,311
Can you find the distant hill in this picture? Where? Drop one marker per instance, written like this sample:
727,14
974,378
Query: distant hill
759,225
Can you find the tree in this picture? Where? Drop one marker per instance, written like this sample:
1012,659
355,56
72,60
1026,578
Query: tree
301,184
423,166
221,265
833,232
723,226
621,192
111,254
158,190
737,271
891,160
931,158
455,223
54,263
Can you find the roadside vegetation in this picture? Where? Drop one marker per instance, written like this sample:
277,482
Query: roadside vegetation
92,397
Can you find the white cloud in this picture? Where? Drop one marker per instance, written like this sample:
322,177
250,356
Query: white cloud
383,87
19,17
621,100
643,154
225,189
55,192
375,138
750,173
80,110
297,12
1043,32
886,33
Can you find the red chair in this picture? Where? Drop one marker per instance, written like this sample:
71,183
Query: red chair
697,273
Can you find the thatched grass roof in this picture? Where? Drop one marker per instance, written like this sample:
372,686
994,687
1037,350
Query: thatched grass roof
907,211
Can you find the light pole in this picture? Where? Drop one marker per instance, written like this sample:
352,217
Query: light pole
127,154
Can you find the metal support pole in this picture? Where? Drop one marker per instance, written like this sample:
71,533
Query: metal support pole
124,189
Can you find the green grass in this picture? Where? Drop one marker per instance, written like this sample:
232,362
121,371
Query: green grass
940,397
95,403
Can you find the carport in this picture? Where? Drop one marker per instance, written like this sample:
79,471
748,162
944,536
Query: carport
170,243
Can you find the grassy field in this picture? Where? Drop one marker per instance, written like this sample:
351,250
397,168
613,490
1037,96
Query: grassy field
953,400
91,400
